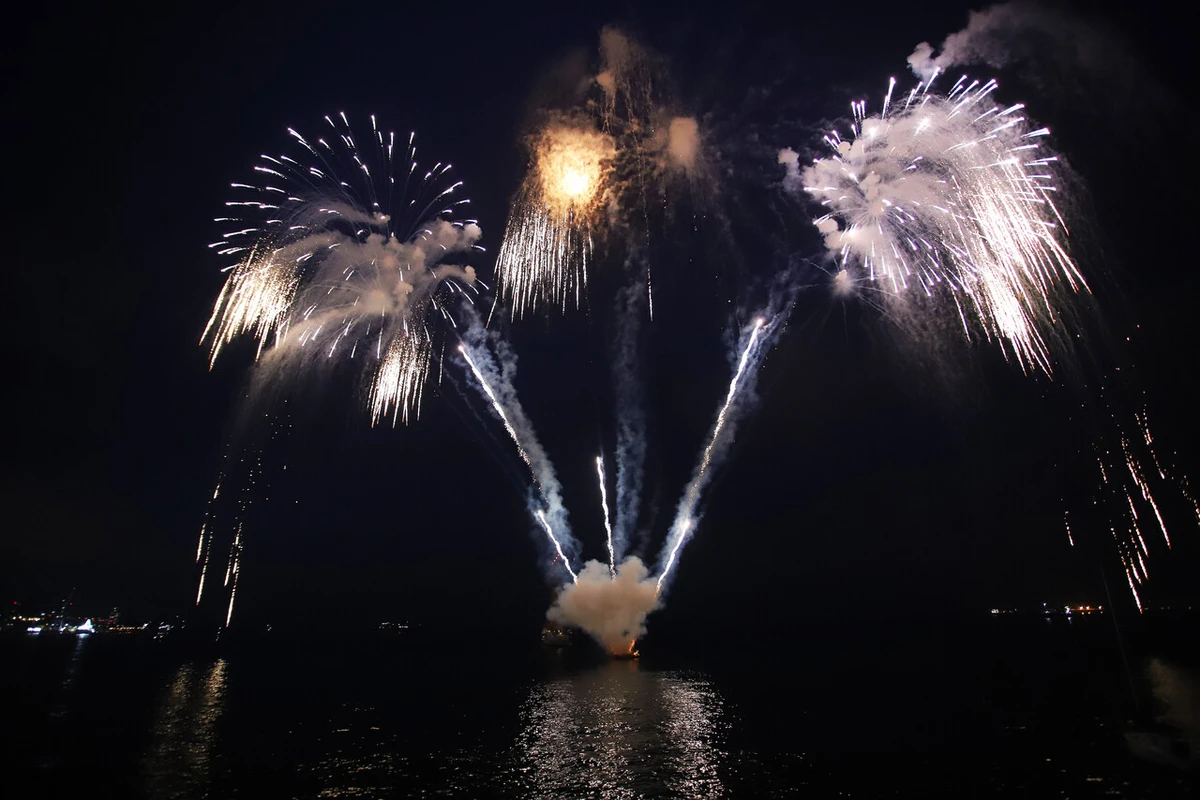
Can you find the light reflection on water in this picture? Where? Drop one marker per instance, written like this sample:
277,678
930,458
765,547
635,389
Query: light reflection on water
180,759
614,731
618,731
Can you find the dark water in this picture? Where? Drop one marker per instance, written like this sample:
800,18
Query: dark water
987,709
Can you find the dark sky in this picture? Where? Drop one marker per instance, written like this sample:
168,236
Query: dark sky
865,481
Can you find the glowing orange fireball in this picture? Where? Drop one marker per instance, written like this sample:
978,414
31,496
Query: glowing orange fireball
572,163
622,650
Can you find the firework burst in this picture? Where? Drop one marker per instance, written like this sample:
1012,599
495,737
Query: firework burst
336,255
593,168
949,200
548,245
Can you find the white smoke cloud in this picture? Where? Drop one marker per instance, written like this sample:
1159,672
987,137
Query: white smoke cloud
1058,47
994,37
790,160
626,67
611,610
683,142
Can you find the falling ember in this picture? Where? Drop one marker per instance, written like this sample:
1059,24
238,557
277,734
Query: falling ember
400,379
203,574
1131,486
1133,589
234,550
548,244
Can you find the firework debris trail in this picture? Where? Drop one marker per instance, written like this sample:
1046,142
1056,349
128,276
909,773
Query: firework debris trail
338,257
495,376
1129,472
250,486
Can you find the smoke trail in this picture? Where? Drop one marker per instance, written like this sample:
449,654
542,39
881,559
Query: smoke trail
495,377
752,345
612,609
631,418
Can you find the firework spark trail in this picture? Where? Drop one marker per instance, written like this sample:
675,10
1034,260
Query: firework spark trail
335,257
541,517
496,382
249,488
204,571
233,553
944,204
204,546
687,515
612,558
491,396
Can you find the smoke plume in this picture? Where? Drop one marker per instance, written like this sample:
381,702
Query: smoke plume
612,610
683,142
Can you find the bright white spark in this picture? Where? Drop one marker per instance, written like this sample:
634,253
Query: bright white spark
612,558
541,517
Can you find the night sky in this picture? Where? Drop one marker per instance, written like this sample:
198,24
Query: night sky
867,481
